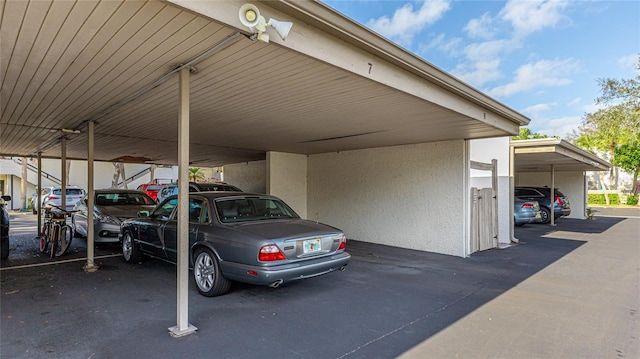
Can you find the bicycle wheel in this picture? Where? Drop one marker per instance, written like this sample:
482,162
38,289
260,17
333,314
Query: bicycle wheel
44,236
64,240
53,237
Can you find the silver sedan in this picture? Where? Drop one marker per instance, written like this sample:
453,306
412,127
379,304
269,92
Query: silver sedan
111,207
244,237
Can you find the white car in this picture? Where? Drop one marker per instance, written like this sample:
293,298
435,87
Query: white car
54,197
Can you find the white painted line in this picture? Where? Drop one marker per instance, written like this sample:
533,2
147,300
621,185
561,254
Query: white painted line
58,262
604,215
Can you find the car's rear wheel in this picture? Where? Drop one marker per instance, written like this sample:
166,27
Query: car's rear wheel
130,250
207,275
545,215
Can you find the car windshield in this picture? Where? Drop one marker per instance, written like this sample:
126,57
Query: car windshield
123,199
231,210
70,191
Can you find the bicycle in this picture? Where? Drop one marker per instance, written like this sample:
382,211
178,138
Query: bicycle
56,232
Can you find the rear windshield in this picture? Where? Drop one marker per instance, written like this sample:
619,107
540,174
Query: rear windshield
218,187
70,191
154,188
232,210
123,199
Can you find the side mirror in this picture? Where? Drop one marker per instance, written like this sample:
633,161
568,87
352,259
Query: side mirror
6,198
143,213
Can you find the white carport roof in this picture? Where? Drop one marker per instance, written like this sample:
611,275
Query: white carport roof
538,155
331,86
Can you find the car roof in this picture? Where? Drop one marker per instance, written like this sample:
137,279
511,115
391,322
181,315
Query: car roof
228,194
117,190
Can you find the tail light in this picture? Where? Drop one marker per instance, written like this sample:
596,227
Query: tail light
270,253
527,205
53,196
343,243
558,201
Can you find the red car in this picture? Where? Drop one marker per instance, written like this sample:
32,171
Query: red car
151,189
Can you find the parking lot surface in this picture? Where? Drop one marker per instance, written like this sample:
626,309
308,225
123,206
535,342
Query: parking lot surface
569,291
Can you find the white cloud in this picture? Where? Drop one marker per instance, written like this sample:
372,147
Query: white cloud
561,126
545,73
478,73
482,27
575,101
541,107
629,62
533,15
407,22
450,46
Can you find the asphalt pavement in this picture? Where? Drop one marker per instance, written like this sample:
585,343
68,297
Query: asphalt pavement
569,291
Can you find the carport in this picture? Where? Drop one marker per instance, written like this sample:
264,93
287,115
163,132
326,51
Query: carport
555,163
182,82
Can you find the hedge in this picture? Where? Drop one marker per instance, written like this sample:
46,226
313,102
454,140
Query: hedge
598,198
632,200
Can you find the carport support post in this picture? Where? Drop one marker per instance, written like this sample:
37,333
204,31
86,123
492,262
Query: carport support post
38,198
90,265
512,189
183,327
553,196
63,160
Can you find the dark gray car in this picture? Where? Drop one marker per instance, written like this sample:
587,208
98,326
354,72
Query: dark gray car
250,238
561,205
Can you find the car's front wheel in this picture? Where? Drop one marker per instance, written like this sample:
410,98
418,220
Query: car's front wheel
130,250
207,275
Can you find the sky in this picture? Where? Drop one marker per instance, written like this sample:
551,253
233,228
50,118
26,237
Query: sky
541,58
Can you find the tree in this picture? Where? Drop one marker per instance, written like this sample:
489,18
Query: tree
526,134
627,157
118,172
616,123
195,174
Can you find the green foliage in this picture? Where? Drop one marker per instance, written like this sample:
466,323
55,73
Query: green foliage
598,198
526,134
195,173
632,200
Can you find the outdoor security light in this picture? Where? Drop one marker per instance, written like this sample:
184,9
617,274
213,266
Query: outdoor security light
250,17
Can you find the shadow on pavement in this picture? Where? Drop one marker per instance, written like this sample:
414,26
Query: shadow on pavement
386,302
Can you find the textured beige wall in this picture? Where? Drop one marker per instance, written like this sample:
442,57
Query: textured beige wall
248,176
405,196
287,179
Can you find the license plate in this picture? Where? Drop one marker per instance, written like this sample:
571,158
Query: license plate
311,245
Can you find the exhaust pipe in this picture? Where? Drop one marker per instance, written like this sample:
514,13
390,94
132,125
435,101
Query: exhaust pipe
276,284
343,268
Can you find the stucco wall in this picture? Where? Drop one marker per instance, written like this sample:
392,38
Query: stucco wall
248,176
287,179
405,196
571,184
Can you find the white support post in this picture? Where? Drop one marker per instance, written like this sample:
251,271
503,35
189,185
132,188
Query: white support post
63,160
90,266
512,171
38,194
183,327
553,196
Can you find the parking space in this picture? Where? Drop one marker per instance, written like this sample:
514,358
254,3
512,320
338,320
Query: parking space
388,302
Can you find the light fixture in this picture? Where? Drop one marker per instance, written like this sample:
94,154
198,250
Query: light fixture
68,130
250,17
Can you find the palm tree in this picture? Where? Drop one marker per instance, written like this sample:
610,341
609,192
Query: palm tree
195,174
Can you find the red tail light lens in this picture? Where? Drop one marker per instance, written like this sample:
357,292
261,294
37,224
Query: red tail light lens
527,205
558,201
270,253
343,243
